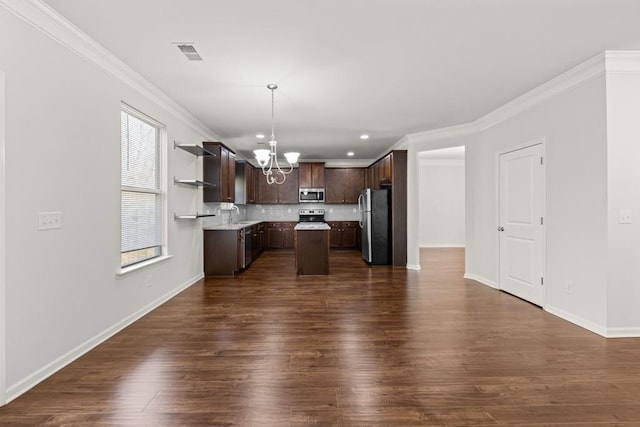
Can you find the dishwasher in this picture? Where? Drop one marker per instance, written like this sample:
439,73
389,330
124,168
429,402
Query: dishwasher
244,251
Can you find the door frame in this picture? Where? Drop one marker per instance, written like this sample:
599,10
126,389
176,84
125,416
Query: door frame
3,235
543,143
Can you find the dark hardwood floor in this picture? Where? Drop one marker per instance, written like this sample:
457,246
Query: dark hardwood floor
366,346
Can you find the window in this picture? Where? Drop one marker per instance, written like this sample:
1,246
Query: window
141,194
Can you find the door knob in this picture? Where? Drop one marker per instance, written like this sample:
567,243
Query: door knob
500,228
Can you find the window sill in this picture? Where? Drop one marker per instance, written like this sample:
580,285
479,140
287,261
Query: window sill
136,267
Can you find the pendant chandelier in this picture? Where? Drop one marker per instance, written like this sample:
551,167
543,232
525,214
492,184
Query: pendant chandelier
268,159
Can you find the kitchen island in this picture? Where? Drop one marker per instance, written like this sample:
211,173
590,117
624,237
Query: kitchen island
312,248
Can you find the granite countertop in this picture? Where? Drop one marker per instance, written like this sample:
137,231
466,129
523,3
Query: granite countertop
312,226
233,226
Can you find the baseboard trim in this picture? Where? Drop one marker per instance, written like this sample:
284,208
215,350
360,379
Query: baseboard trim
623,332
40,375
441,245
414,267
577,320
482,280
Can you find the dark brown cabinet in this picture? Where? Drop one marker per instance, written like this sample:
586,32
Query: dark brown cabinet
384,168
288,241
255,233
344,234
391,171
262,235
286,193
280,235
343,185
220,171
312,252
222,252
381,172
311,175
227,252
245,185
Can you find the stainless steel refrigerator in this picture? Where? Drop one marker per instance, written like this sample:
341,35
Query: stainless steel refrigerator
375,222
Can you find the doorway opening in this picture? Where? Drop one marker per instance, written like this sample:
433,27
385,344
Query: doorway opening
441,201
441,211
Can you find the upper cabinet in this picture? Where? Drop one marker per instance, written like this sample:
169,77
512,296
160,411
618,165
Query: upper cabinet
381,172
286,193
311,175
220,171
391,171
245,183
343,185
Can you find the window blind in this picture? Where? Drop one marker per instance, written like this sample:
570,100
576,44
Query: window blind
140,212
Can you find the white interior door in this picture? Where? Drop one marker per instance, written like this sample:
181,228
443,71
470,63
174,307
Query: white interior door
521,223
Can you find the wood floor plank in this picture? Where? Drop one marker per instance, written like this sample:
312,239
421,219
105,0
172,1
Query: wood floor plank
366,346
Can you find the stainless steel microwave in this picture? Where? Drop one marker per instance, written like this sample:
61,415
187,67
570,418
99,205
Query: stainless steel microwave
311,195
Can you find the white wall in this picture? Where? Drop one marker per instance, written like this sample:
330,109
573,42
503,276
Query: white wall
442,213
573,128
2,245
623,193
63,154
568,115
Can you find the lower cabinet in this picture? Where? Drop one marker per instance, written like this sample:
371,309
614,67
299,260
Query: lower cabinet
227,252
344,234
222,252
280,235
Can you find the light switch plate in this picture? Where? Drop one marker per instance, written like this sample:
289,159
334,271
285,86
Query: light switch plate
49,220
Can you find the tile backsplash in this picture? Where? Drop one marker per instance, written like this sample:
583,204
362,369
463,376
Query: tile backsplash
277,212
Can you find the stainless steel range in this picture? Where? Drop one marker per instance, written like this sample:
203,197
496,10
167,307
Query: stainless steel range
311,215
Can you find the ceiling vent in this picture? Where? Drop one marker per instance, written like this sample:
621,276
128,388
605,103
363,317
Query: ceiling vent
189,51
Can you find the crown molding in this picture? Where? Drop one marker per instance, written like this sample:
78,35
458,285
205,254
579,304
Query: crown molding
622,62
45,19
576,76
455,131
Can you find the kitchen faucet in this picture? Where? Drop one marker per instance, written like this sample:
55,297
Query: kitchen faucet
228,207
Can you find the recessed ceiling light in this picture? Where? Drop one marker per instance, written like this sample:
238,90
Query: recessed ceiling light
350,153
260,136
364,136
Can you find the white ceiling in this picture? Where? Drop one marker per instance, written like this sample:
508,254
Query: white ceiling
346,67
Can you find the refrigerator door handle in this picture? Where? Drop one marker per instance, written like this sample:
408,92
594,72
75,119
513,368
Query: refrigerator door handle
360,210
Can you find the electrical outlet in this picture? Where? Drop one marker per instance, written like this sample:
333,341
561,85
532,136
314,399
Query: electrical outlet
49,220
569,286
625,216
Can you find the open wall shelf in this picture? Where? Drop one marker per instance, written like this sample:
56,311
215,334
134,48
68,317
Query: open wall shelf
195,149
192,182
191,216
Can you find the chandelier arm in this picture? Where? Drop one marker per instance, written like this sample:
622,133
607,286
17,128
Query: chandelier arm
275,179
